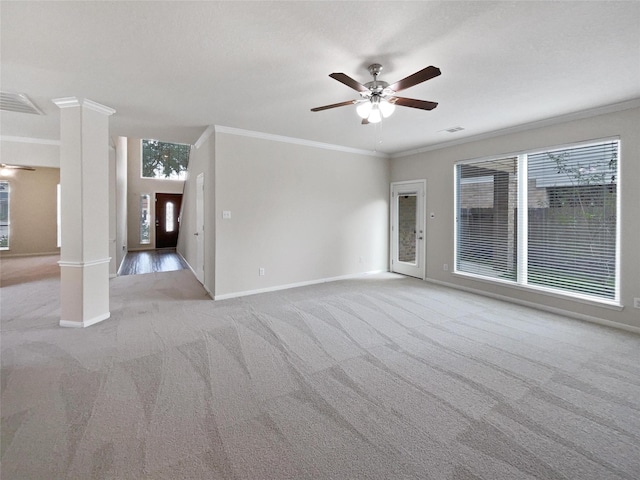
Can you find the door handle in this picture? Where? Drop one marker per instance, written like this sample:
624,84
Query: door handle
419,238
196,234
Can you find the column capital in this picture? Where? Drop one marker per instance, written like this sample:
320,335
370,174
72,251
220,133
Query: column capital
69,102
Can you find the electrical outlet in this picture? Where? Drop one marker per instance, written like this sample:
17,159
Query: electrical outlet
261,272
636,302
226,214
445,267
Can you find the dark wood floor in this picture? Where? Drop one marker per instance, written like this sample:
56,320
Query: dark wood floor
150,261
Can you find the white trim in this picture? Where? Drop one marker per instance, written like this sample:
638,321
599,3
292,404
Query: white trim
40,254
85,323
557,293
205,135
296,141
421,207
188,264
70,102
90,263
194,274
66,102
537,150
293,285
39,141
538,306
593,112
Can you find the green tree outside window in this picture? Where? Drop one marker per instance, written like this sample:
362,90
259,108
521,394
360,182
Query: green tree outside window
164,160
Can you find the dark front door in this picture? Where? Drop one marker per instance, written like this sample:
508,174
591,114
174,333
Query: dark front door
167,225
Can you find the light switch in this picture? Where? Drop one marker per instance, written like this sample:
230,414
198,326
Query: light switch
226,214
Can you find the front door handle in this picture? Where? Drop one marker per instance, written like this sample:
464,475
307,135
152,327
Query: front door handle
196,234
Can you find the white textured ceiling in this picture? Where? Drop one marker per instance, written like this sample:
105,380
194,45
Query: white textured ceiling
170,69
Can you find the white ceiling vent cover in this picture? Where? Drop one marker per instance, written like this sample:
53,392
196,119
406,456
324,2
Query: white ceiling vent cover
18,102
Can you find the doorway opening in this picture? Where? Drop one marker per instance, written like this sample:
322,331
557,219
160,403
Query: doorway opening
408,206
167,219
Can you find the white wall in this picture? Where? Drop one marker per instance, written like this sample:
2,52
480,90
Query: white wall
136,186
301,212
201,160
437,167
36,152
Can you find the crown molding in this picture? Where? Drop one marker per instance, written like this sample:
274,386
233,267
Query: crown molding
547,122
296,141
39,141
205,135
70,102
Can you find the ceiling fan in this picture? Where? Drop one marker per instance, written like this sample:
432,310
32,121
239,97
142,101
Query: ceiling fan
378,97
16,167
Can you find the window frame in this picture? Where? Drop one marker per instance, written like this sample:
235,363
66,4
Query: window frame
142,222
173,179
521,282
8,191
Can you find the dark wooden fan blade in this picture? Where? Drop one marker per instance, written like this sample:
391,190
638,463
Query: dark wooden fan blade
418,77
349,82
413,103
334,105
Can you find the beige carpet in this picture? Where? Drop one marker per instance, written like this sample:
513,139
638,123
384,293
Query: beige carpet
383,377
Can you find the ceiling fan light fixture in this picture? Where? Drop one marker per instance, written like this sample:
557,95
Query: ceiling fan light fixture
364,109
375,116
378,99
386,108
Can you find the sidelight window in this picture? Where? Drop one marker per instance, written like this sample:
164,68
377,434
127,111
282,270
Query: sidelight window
145,219
4,216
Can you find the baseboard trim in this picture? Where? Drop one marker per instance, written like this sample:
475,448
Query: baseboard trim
188,264
538,306
194,273
295,285
41,254
85,323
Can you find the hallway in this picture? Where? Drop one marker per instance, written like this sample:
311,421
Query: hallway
151,261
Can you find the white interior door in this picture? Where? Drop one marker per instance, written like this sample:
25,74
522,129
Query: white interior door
408,227
200,228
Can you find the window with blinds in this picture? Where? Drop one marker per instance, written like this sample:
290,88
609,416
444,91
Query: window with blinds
487,209
546,219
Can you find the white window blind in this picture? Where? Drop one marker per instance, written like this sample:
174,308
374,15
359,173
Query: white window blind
572,219
568,236
487,228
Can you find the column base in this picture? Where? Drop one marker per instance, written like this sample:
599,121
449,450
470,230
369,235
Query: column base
84,292
85,323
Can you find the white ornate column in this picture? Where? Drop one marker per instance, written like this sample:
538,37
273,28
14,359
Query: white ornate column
84,186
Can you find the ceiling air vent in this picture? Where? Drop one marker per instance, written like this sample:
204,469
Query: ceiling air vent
18,102
454,129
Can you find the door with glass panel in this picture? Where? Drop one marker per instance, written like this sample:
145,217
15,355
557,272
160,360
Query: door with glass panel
167,219
408,228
